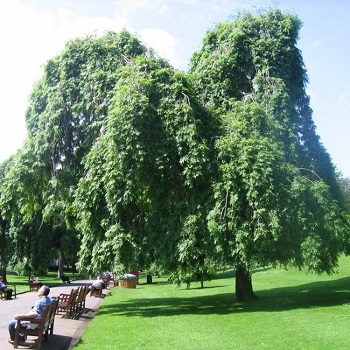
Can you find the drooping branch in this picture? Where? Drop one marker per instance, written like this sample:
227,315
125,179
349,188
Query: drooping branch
312,172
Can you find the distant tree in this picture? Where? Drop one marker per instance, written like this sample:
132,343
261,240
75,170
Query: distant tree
20,202
344,183
5,242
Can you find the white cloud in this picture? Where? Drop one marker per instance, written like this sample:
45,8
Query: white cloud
162,42
30,36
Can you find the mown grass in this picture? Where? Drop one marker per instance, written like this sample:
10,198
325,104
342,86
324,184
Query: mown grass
21,282
293,311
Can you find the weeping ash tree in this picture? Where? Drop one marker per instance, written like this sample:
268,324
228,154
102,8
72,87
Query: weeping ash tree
66,114
5,244
141,165
144,198
276,195
226,169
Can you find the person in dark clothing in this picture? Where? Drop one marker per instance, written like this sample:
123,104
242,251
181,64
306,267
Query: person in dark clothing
4,288
65,279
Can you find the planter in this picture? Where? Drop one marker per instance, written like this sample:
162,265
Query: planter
127,281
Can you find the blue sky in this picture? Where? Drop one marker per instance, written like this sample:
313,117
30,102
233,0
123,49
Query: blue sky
33,31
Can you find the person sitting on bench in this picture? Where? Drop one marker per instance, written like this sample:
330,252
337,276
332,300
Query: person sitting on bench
37,311
97,285
65,279
35,281
4,288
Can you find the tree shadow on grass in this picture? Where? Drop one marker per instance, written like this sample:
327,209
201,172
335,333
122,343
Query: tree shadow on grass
306,296
209,287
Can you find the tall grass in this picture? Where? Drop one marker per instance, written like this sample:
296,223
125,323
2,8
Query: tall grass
293,311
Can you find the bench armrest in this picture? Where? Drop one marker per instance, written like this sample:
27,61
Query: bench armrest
30,319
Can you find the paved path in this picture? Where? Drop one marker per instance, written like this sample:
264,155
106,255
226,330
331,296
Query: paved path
67,332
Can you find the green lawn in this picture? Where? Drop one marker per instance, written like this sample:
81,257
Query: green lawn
293,311
21,282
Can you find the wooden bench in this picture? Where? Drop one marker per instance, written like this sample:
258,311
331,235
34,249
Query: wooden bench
33,286
80,301
67,303
96,291
36,327
3,294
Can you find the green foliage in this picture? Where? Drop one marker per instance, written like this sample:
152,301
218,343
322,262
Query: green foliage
150,163
277,198
344,184
21,202
20,278
253,47
65,116
137,165
6,248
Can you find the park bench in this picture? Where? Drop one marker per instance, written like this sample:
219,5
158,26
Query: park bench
67,303
96,291
33,286
80,300
36,327
3,294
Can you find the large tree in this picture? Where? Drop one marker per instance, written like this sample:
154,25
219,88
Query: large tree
277,197
150,166
21,205
144,197
5,243
66,113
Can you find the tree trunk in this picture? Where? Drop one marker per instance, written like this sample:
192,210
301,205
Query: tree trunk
149,279
60,267
244,287
3,244
202,279
3,274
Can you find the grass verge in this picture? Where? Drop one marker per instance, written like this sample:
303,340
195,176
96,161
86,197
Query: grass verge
293,311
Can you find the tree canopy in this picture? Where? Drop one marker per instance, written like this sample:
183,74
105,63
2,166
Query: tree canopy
147,175
66,114
135,164
282,202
